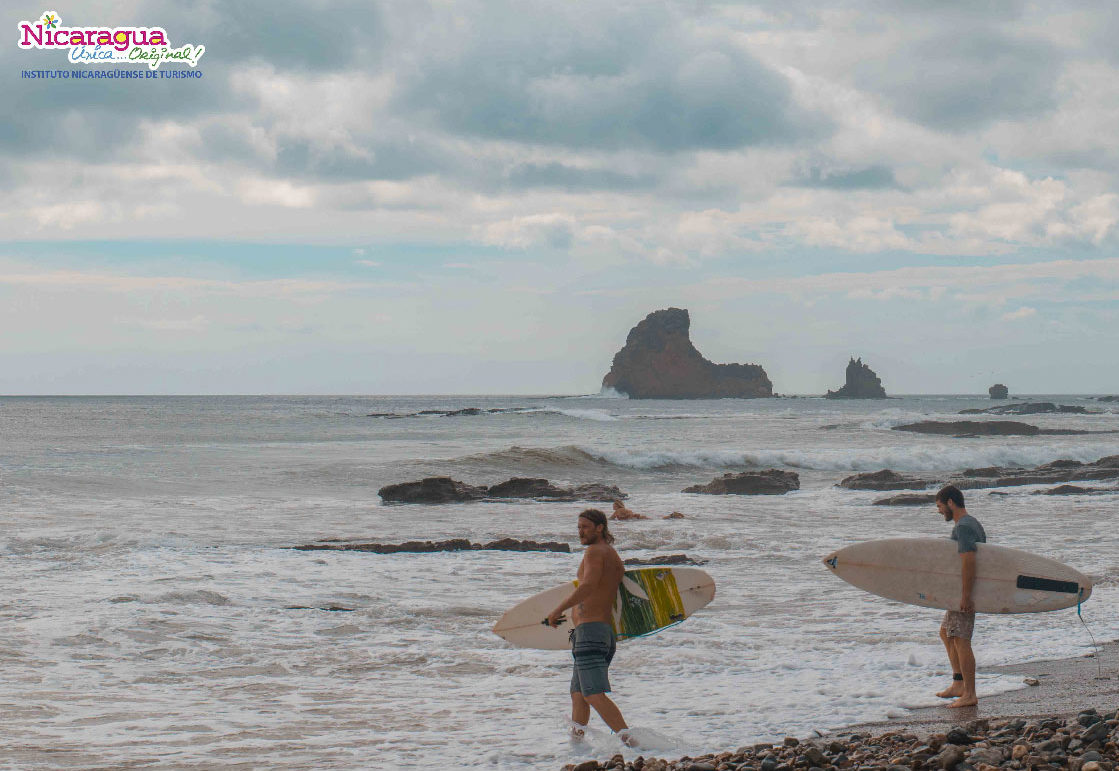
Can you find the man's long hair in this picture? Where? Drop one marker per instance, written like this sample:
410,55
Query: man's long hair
596,517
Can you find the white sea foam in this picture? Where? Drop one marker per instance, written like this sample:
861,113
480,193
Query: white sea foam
584,414
927,456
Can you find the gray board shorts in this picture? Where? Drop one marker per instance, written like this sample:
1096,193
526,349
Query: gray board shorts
592,646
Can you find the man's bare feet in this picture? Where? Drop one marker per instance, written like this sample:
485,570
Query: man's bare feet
952,691
964,701
627,738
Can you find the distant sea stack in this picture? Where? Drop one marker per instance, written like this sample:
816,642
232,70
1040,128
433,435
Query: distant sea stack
660,362
999,391
861,383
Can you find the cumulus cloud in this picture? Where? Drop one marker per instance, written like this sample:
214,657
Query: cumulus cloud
1024,312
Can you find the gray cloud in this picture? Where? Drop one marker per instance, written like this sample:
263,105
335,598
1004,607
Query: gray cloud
637,81
566,177
869,178
958,80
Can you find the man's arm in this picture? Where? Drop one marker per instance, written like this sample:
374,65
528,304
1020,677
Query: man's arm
967,580
592,575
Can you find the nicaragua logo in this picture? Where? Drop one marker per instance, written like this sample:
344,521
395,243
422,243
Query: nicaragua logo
105,45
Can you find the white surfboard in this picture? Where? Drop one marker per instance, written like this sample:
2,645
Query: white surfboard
649,600
926,572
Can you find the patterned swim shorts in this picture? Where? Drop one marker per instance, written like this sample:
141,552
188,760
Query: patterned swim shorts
958,624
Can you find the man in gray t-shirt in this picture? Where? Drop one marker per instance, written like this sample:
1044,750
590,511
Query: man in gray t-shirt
958,625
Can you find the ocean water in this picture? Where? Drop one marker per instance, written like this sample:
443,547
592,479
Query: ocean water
147,619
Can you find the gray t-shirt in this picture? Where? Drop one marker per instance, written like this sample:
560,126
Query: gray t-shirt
967,533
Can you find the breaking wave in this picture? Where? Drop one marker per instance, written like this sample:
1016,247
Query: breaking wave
927,457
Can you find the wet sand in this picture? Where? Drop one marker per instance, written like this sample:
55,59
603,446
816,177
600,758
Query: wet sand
1065,687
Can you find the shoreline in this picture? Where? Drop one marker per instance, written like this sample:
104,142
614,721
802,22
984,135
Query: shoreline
1065,687
1066,690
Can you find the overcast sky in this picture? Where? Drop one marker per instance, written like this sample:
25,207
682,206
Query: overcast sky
483,197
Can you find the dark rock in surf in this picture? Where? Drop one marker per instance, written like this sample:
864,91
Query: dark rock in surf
447,490
1049,473
861,383
597,492
906,499
512,544
453,544
884,480
966,428
969,429
668,559
1075,490
998,391
525,487
659,361
769,482
432,490
1030,408
1107,398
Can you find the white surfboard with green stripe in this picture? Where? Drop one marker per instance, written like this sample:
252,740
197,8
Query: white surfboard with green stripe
649,600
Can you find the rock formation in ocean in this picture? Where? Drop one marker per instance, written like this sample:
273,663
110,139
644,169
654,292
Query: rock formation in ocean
660,362
432,490
907,499
884,480
453,544
1030,408
769,482
666,559
1077,490
1058,471
965,429
861,383
447,490
999,391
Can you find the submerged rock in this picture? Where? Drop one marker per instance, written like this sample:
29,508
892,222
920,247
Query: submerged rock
963,428
668,559
447,490
861,383
992,476
1075,490
431,490
967,429
659,361
1029,408
597,492
524,487
998,391
769,482
884,480
453,544
907,499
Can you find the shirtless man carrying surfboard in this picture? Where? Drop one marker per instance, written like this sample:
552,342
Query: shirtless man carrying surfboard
958,625
592,640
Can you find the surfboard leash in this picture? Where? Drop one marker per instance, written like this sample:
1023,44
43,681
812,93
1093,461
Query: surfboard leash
1095,645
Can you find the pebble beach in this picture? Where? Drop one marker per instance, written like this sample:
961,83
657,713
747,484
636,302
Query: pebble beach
1066,716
